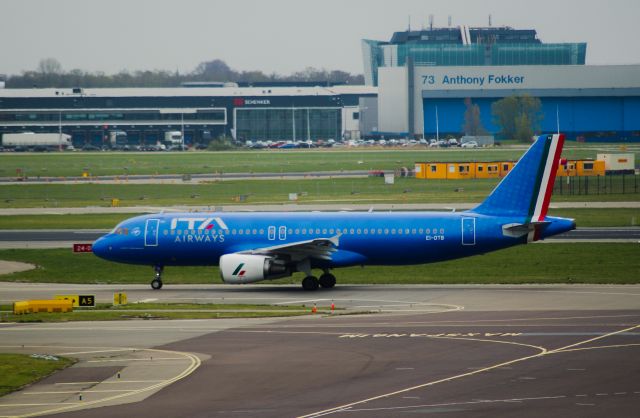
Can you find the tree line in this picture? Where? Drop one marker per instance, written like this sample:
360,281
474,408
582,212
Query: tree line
50,73
518,117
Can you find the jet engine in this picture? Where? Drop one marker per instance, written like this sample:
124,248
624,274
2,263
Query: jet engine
248,268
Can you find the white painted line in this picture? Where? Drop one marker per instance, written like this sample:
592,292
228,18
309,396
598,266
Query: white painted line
581,396
586,404
109,382
147,300
9,405
97,351
405,368
620,393
77,391
136,359
602,394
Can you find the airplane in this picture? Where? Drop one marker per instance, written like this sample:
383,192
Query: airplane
251,247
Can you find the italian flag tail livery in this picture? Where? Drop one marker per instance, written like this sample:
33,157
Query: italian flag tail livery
525,192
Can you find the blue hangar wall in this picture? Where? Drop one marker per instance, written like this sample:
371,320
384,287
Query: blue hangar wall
597,118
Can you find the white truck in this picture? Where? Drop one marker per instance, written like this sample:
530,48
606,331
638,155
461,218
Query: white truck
36,141
174,140
118,140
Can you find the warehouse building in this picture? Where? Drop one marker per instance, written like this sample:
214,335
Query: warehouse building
202,113
425,77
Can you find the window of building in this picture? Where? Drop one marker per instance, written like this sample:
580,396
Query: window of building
587,166
434,168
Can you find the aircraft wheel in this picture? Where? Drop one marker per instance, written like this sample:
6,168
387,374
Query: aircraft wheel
327,280
156,284
310,283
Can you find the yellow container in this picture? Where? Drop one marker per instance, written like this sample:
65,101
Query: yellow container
38,306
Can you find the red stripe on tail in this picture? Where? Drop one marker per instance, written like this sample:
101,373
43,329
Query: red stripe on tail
552,178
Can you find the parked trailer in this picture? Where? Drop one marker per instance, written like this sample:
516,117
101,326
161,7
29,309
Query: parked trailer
618,163
37,141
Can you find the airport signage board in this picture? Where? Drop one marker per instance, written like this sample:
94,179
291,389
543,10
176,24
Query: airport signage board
527,77
240,101
82,248
79,300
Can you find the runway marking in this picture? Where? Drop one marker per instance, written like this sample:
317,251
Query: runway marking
96,351
107,382
601,347
474,402
9,405
542,353
531,319
610,334
76,391
135,359
193,365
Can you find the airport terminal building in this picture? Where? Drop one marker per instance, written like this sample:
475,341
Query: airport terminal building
202,113
424,78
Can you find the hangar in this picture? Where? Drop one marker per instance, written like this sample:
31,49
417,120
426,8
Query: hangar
424,78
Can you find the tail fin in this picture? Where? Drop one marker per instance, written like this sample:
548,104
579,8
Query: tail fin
526,190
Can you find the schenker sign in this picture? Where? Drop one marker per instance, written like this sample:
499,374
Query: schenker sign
239,101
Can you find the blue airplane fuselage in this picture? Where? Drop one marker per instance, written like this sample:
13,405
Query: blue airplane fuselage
365,238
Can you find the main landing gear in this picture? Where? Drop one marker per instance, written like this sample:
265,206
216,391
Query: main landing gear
156,283
327,281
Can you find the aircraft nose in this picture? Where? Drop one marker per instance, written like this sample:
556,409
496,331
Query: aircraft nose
101,247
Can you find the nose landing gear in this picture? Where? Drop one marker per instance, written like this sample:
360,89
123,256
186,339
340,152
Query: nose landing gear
156,283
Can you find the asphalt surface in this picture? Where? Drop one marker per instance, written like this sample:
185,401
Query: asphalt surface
158,178
459,351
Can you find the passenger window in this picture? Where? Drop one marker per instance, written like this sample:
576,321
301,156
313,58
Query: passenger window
272,233
282,233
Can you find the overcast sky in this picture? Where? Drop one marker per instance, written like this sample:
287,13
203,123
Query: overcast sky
281,35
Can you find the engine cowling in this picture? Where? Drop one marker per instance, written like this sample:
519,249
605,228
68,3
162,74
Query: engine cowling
249,268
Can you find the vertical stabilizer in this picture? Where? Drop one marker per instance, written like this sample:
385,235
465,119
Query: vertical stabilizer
526,191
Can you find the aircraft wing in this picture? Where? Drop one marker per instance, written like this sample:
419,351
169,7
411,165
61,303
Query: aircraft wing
318,248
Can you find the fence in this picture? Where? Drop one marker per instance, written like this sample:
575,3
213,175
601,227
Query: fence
595,185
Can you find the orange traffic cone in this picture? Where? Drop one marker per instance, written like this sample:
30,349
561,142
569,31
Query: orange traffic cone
314,309
333,307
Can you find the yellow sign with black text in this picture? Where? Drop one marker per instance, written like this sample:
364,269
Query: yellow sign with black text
120,298
87,300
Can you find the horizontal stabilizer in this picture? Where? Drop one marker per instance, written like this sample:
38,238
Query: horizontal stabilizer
531,229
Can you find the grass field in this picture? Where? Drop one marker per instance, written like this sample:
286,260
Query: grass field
275,161
538,263
337,190
19,370
584,217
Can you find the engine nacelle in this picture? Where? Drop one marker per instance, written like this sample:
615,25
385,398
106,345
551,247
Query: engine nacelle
248,268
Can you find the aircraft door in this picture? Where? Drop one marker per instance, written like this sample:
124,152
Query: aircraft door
151,232
468,231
